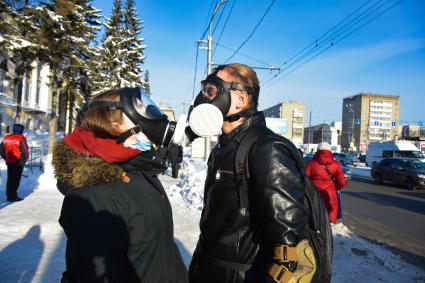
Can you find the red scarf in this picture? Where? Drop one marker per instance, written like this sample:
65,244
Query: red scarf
83,141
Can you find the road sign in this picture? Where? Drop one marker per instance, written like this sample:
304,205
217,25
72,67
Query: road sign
357,121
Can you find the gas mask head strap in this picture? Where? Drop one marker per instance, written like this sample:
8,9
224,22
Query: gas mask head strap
110,105
121,138
246,113
113,105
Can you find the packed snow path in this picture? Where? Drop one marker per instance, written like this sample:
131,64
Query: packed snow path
32,244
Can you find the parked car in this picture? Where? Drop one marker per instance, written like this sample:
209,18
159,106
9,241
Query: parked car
377,151
345,159
362,158
347,172
405,171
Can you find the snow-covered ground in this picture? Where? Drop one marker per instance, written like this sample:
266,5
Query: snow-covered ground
32,243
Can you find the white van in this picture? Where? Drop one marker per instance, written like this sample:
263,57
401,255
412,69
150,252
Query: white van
376,151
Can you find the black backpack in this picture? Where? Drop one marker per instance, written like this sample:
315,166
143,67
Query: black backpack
319,231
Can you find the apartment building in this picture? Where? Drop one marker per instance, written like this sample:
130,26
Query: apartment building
293,113
369,117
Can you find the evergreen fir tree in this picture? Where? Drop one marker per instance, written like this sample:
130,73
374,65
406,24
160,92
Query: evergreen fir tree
135,57
147,85
113,52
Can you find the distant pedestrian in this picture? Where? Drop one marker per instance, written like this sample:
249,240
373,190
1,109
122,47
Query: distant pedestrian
14,149
326,173
175,156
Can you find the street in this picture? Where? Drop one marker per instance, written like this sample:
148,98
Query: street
387,214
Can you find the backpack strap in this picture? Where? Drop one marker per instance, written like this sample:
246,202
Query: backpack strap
331,176
242,166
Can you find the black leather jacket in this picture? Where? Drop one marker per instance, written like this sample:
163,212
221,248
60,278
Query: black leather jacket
235,245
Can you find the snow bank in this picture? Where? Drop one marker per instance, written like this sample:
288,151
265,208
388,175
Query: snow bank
189,189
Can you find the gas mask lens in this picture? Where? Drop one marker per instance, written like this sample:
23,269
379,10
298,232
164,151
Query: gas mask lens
209,90
146,107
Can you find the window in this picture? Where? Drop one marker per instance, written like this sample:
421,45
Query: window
409,154
395,163
385,162
387,153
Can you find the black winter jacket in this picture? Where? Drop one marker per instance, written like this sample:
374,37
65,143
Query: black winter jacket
117,231
236,245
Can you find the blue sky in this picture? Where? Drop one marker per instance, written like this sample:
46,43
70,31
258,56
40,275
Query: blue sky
385,56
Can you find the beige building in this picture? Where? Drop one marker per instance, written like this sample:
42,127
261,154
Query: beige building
34,101
369,117
293,113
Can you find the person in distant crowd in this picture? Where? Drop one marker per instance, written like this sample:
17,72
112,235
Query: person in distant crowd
175,156
115,214
14,149
326,173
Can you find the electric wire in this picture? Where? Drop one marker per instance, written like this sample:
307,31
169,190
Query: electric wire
219,17
317,42
252,33
333,43
194,77
242,54
206,24
224,26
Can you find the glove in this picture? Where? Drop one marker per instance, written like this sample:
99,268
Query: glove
284,256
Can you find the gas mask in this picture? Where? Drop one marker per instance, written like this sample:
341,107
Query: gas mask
212,104
146,115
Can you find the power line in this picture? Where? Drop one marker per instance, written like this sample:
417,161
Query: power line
333,42
194,77
242,54
317,41
252,33
224,26
208,18
219,17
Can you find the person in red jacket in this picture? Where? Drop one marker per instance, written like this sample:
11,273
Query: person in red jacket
14,149
326,173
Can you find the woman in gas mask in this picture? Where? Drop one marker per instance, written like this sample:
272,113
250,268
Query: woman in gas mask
116,214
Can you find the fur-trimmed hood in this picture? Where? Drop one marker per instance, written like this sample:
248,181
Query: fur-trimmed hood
81,170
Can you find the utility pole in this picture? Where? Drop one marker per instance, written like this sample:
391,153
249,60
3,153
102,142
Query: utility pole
309,128
209,67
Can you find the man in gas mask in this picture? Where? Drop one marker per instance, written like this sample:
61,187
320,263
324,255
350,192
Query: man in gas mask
252,227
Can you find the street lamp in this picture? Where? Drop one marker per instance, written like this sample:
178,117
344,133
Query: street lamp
350,108
209,66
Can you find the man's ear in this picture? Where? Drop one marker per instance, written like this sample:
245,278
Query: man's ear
242,99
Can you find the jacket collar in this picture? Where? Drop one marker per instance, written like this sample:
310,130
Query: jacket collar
82,171
239,132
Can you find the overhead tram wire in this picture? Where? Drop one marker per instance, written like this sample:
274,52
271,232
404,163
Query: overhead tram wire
242,54
252,33
208,18
303,54
194,77
213,4
334,43
315,42
224,26
219,17
329,39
